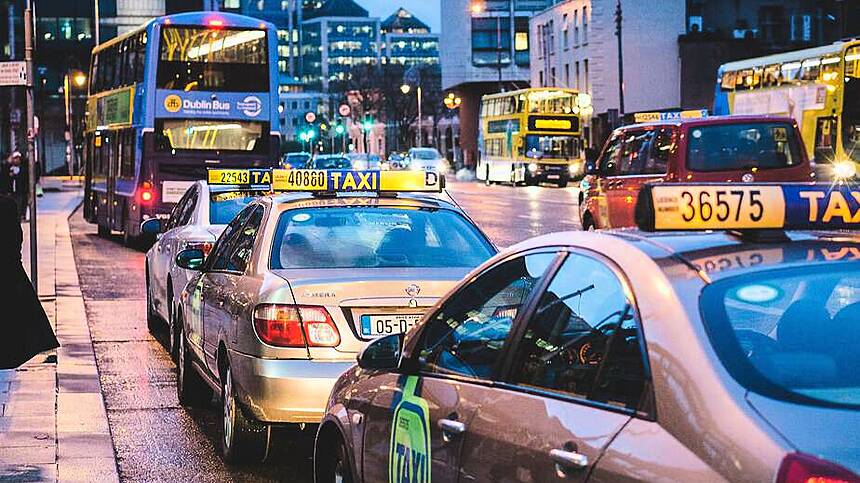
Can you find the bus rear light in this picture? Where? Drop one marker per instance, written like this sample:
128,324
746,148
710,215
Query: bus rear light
145,194
802,468
295,326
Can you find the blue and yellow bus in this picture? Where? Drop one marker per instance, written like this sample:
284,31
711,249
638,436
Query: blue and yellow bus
180,94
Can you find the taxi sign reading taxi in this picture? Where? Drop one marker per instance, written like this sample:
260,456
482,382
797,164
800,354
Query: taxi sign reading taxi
352,180
733,206
240,177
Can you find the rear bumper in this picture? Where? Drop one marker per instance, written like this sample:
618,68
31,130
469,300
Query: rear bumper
285,391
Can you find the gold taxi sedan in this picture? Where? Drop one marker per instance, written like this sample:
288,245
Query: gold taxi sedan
300,281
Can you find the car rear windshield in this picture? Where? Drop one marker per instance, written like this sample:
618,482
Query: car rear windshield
223,207
733,147
376,237
332,163
791,334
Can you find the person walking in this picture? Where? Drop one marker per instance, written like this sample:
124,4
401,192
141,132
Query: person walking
25,330
14,181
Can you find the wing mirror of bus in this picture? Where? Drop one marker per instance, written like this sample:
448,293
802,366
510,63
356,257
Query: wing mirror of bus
152,226
382,354
190,259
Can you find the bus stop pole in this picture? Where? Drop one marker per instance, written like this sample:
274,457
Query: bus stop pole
31,138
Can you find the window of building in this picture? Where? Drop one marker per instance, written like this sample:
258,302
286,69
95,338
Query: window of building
576,69
564,32
576,28
552,76
566,75
491,41
586,84
584,25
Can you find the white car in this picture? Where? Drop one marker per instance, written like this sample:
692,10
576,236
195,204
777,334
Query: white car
427,159
196,222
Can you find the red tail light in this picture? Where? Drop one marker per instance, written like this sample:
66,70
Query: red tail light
205,247
145,194
802,468
295,326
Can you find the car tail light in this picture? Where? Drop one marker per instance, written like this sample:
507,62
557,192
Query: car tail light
145,194
802,468
203,246
295,326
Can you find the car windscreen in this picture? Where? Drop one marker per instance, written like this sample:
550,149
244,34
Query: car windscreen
791,334
297,160
332,163
734,147
424,154
212,59
369,237
224,206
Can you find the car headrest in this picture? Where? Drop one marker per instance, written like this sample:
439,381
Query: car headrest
802,324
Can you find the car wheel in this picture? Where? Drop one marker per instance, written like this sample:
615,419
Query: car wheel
152,321
243,440
587,223
562,183
191,389
331,462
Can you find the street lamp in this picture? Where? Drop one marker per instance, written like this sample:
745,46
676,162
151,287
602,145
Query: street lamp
452,101
405,88
79,80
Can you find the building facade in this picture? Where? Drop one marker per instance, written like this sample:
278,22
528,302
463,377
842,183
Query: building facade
408,41
331,46
484,48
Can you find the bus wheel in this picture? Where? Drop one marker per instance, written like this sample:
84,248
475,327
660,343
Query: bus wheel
103,231
562,183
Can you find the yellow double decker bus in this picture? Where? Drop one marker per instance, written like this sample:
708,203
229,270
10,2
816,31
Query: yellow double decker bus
531,136
819,87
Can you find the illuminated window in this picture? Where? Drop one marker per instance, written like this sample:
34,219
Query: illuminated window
521,41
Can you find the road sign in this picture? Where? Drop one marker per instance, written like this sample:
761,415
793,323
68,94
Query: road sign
13,73
344,110
310,117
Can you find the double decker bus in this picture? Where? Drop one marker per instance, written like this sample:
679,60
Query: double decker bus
819,87
534,135
179,94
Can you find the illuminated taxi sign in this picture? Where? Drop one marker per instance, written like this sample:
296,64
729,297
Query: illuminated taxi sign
640,117
334,181
240,177
732,206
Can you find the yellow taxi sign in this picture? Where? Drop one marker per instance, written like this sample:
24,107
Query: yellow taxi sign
747,206
241,177
340,181
640,117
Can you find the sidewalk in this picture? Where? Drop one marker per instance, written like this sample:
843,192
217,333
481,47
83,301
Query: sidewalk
53,423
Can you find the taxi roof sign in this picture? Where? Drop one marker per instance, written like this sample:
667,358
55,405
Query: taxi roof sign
641,117
331,181
748,206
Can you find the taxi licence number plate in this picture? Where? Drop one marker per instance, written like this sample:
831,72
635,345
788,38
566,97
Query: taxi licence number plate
376,325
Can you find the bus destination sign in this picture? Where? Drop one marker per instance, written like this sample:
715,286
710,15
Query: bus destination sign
556,124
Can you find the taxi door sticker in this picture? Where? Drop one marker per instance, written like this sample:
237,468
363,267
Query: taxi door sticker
409,452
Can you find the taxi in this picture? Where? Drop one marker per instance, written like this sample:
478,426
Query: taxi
715,343
195,222
711,149
301,280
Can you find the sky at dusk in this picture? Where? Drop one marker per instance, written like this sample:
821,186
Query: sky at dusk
426,10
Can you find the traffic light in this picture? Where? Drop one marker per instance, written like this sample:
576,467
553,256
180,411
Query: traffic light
339,129
368,125
311,134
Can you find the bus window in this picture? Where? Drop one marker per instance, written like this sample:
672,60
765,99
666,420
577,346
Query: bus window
744,79
830,68
130,56
790,71
727,83
140,59
770,76
196,58
521,103
126,169
213,135
117,66
537,146
94,74
810,69
852,62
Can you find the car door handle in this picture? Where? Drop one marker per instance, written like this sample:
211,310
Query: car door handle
451,428
569,459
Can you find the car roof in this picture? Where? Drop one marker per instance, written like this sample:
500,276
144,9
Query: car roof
358,199
719,254
708,121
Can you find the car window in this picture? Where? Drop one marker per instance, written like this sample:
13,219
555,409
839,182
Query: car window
224,206
178,210
661,148
467,334
188,210
240,251
218,259
635,154
727,147
608,161
583,338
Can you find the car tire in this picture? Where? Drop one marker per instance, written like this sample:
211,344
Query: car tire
191,389
153,323
331,461
243,440
587,223
562,183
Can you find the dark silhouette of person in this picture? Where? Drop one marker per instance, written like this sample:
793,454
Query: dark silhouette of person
24,327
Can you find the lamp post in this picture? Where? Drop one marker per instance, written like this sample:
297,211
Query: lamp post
78,80
405,88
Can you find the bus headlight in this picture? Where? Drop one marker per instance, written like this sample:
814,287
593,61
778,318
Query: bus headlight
573,168
533,167
844,170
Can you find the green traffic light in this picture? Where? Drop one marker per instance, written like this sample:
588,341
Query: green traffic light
368,125
311,134
339,129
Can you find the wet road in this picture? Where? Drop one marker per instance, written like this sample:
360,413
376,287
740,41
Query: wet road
156,439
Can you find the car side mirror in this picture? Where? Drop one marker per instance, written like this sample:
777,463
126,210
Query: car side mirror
152,226
382,354
190,259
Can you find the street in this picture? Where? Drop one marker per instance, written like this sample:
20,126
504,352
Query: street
155,438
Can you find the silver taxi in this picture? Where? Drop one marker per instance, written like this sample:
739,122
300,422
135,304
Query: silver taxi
299,282
650,355
195,222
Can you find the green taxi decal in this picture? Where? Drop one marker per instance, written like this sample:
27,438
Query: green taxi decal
409,451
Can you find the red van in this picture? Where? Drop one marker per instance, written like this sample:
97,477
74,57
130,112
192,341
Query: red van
716,149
